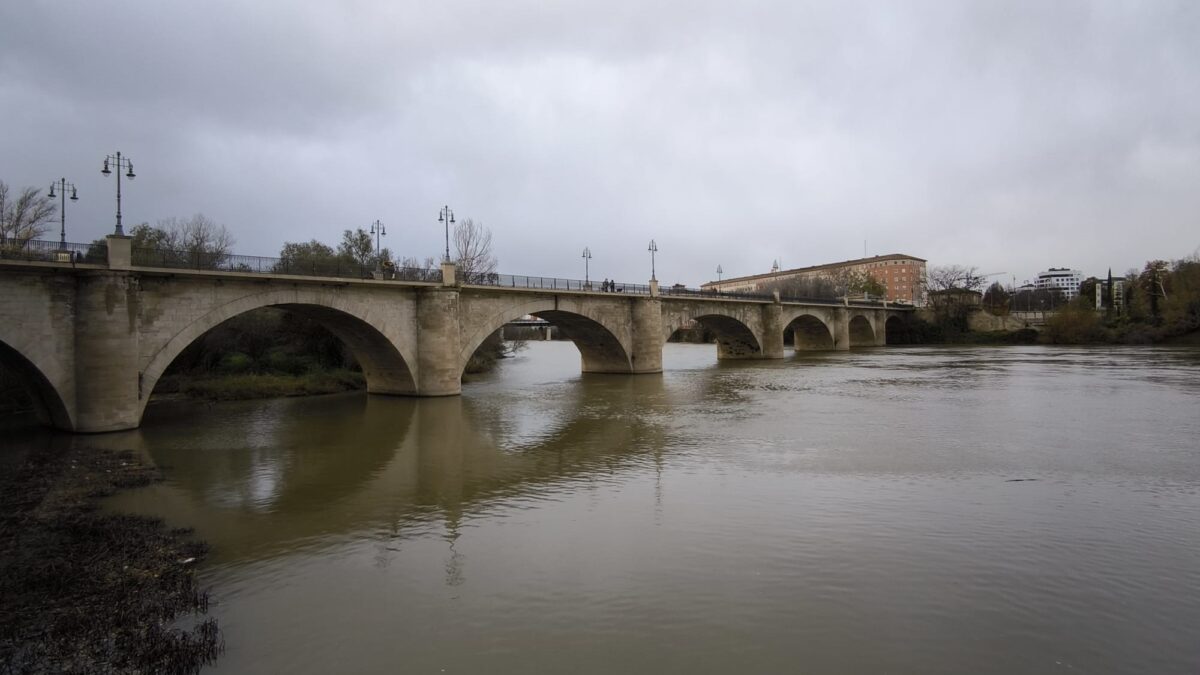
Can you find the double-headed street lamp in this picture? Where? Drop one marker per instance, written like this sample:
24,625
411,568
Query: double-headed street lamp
119,163
63,186
653,249
378,230
587,256
719,273
446,216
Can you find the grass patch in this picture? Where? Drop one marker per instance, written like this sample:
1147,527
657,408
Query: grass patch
252,385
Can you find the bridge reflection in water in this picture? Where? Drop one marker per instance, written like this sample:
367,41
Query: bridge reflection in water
256,484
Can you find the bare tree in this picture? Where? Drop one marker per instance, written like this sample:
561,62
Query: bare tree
193,242
411,269
954,292
24,218
201,234
204,241
955,277
473,243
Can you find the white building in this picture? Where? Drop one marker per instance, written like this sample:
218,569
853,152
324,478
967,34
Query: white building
1062,279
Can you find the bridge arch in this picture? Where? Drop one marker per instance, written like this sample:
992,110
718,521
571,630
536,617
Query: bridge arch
735,340
50,400
602,346
862,333
894,331
810,333
369,337
737,327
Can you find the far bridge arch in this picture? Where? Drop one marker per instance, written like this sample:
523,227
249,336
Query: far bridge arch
735,340
810,333
862,332
600,330
737,327
896,331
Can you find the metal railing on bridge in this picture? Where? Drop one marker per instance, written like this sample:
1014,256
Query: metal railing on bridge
53,251
253,264
678,290
97,253
551,283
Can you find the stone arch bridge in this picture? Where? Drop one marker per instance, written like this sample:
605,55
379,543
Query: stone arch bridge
92,340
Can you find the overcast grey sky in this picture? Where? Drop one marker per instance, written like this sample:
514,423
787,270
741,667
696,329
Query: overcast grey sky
1012,136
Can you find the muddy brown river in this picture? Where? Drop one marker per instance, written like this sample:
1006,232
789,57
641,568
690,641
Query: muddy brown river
902,510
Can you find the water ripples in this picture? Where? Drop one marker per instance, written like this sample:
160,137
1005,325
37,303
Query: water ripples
910,510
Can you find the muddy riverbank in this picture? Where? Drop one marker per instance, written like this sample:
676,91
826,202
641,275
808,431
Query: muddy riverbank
85,591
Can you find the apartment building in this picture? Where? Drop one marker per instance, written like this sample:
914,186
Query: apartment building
903,275
1060,279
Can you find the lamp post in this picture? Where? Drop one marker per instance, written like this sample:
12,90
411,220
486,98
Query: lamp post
63,186
119,163
653,248
719,273
446,216
587,257
378,230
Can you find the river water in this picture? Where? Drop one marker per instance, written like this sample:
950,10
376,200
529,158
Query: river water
905,510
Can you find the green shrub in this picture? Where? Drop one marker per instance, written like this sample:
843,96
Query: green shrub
1075,324
280,361
236,362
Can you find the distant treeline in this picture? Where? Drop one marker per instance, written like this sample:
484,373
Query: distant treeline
1162,302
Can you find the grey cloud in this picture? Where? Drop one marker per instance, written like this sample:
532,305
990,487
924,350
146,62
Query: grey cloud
1013,136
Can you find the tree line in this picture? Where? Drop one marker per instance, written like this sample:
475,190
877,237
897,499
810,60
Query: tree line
472,247
1159,302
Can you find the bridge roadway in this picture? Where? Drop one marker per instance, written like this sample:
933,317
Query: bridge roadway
93,339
